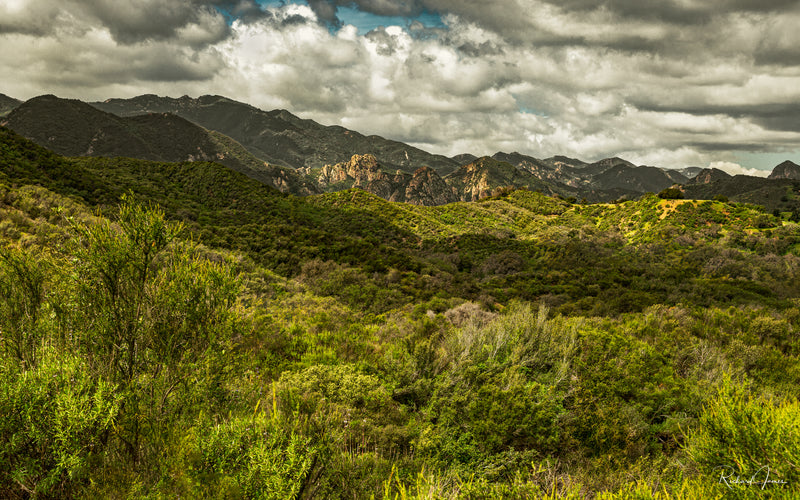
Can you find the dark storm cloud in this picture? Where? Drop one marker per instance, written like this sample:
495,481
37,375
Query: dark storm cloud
385,43
777,56
671,11
131,21
247,11
135,21
166,64
293,20
779,117
665,11
35,18
720,147
170,68
483,49
326,9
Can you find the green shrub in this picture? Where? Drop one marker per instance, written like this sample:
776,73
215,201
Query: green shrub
56,420
741,436
24,282
250,457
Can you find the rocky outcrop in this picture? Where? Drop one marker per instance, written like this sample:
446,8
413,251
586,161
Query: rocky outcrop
482,177
358,172
423,187
427,188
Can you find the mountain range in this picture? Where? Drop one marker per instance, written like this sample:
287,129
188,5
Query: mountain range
181,329
302,157
279,137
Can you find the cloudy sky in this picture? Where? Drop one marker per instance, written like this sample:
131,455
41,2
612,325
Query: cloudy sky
660,82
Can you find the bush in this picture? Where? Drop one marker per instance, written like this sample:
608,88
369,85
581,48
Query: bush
24,283
249,457
56,421
739,435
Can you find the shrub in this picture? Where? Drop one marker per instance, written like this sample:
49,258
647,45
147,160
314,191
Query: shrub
56,420
742,435
250,457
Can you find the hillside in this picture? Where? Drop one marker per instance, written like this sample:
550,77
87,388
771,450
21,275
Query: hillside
709,175
7,104
564,161
302,157
182,330
279,137
353,227
782,195
73,128
534,166
689,172
637,179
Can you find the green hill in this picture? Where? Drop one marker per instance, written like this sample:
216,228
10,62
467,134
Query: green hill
778,194
182,330
74,128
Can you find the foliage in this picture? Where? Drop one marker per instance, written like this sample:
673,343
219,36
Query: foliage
741,436
671,194
179,330
57,419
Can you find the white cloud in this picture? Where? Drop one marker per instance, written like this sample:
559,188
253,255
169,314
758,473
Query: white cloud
736,169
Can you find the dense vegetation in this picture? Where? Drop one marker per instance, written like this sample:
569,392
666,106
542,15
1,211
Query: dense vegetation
180,330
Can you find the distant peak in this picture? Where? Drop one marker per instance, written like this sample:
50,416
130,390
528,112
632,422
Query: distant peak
786,170
709,175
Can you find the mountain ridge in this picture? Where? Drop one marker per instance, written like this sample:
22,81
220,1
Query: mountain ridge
292,154
74,128
281,137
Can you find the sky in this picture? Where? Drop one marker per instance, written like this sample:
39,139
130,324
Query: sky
671,83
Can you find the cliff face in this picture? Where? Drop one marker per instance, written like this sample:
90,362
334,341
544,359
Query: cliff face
358,172
427,188
423,187
480,178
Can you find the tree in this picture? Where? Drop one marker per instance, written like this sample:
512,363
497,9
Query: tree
150,310
671,193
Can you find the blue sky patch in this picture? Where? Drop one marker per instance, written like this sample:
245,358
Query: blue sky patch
365,21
